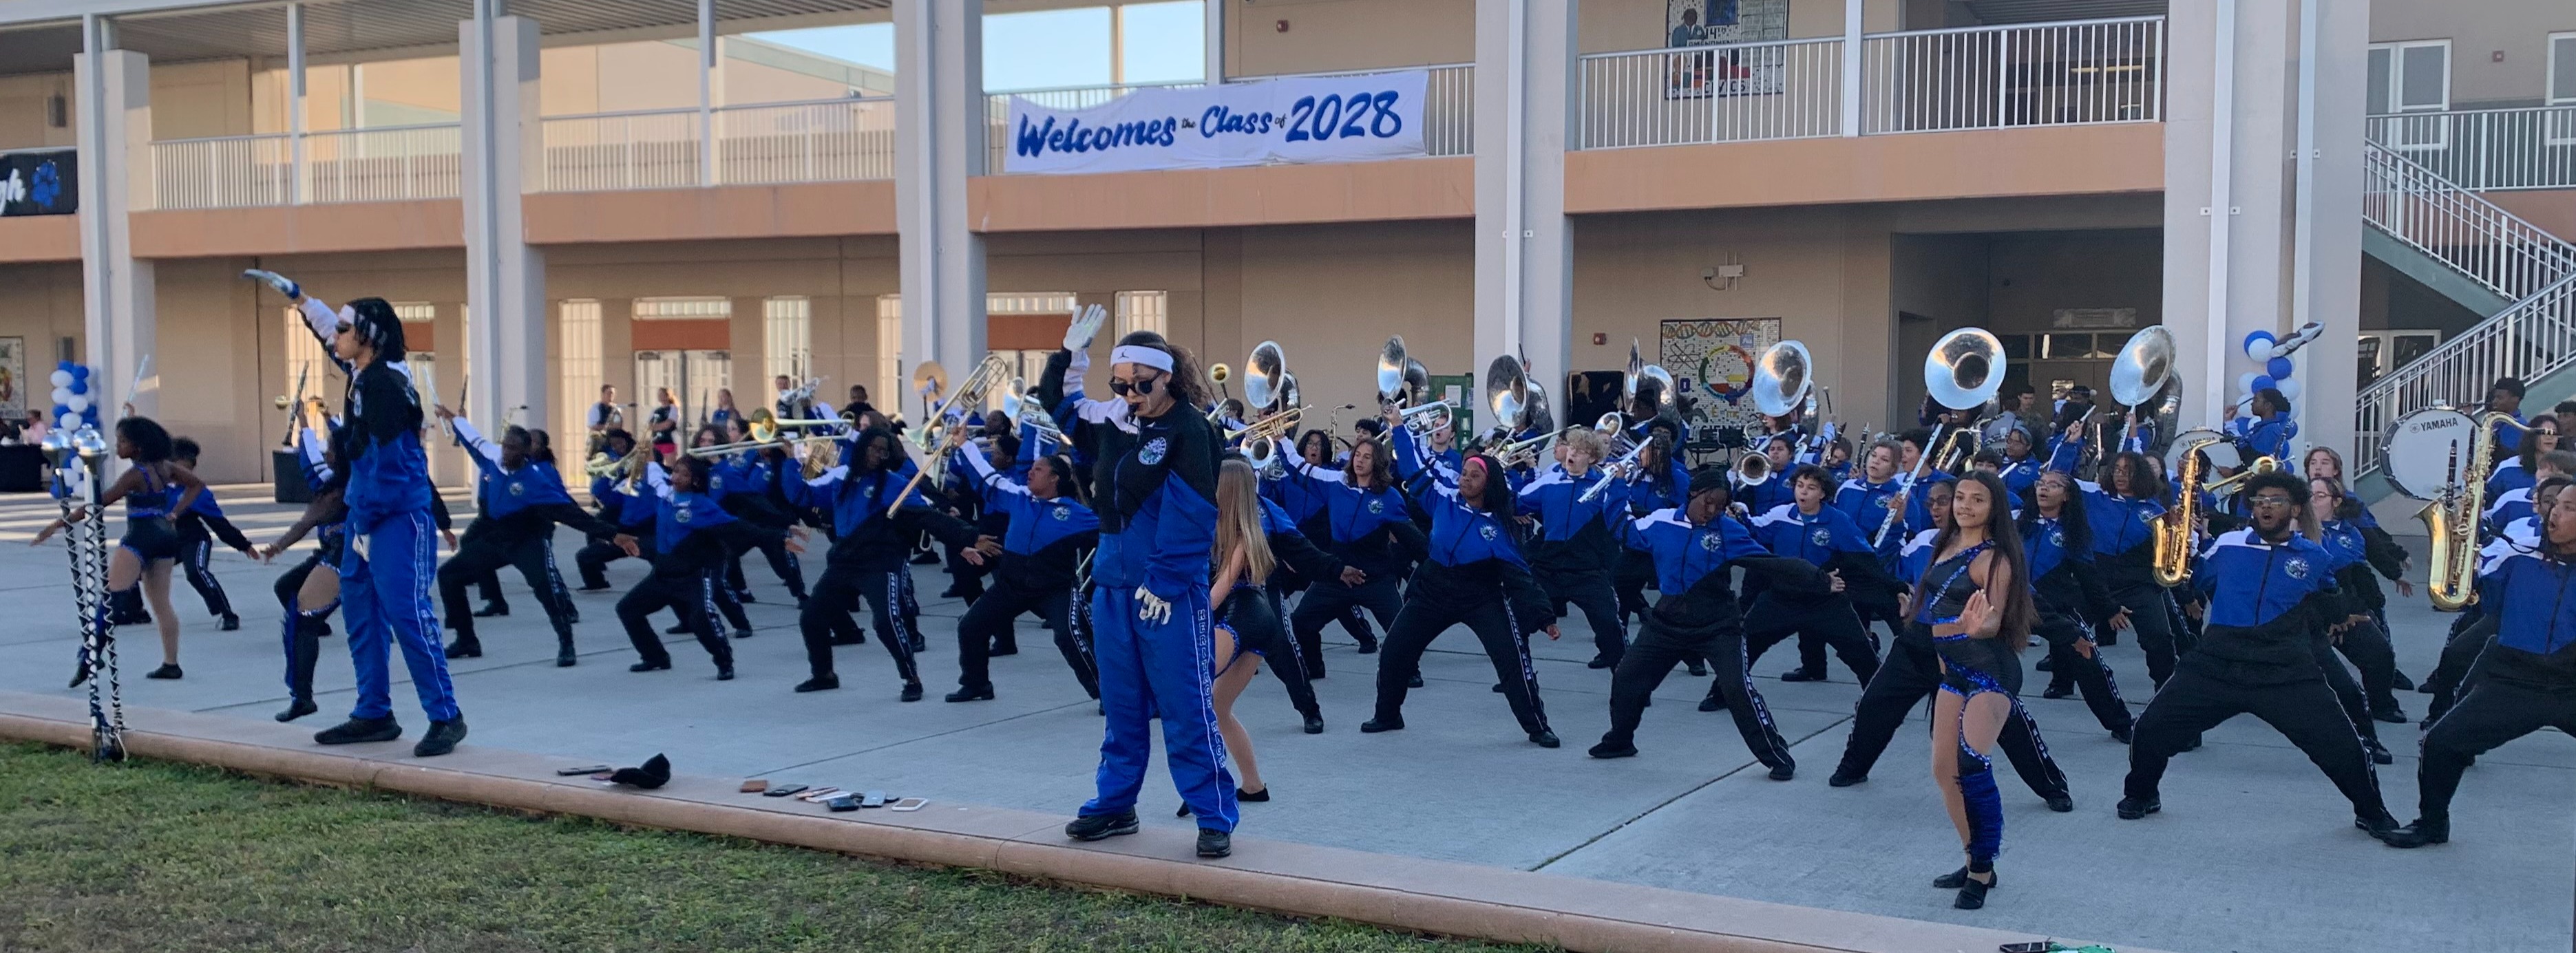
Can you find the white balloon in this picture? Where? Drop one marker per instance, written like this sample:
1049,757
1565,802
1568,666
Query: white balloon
60,378
62,395
71,421
2260,351
2289,389
79,403
2245,381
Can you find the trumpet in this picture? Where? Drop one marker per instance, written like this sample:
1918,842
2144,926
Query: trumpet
1752,469
1422,419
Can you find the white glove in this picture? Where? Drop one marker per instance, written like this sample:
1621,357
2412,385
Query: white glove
1151,608
283,284
1085,325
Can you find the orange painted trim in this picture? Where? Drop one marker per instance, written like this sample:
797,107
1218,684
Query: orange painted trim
1401,190
299,229
692,334
1025,332
1912,167
810,209
2553,210
30,238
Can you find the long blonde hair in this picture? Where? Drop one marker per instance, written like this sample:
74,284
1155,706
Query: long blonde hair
1238,520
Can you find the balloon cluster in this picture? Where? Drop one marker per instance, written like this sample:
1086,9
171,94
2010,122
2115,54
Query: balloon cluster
2273,352
74,404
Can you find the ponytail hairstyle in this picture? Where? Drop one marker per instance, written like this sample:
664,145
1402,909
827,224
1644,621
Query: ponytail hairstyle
1061,466
1498,502
1238,520
541,446
1189,387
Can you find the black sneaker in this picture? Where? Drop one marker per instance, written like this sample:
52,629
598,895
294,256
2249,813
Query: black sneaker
2055,691
2046,664
298,709
1698,669
1414,682
661,666
491,609
2378,752
742,633
1601,661
2425,830
1215,843
918,644
1843,778
586,587
165,672
2122,734
1801,675
680,629
1609,749
819,683
1314,724
1713,703
2381,827
358,730
1544,738
441,739
1368,647
232,623
912,691
981,693
745,597
2061,803
724,673
2133,808
565,657
465,648
1004,648
1093,827
2391,714
1374,725
1784,772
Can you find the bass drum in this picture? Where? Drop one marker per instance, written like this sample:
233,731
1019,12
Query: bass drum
2220,449
2425,452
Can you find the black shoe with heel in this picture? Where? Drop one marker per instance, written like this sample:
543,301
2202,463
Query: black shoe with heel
1972,891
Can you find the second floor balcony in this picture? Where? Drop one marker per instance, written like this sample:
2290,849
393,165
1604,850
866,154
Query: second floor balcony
2486,149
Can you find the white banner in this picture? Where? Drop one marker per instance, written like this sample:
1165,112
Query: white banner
1334,119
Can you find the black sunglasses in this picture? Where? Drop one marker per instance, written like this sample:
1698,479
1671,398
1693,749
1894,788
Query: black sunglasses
1143,385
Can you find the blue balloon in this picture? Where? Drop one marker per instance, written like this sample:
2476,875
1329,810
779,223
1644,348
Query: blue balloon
60,410
80,372
80,385
64,365
2279,368
2265,382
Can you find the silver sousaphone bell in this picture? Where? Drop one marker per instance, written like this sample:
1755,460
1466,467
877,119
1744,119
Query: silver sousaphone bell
1782,377
2144,367
1965,369
1263,376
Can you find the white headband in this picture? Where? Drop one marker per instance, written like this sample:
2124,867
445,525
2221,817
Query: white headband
1154,358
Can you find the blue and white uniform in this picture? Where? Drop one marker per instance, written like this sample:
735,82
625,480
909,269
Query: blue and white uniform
1474,574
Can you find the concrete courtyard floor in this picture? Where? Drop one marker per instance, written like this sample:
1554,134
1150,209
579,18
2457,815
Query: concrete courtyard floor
2254,850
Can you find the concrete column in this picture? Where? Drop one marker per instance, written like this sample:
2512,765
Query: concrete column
1525,76
940,129
2327,374
117,302
617,355
1214,20
505,279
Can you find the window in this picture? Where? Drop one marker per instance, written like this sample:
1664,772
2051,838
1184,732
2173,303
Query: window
578,327
2411,77
682,309
2559,126
1142,311
787,339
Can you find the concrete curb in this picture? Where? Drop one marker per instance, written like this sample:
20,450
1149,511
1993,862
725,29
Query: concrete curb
1405,893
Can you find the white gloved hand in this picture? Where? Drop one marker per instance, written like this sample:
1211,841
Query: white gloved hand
284,285
1151,607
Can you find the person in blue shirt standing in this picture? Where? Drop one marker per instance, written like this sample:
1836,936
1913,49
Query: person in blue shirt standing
1695,550
871,545
526,499
1362,512
2071,599
2522,683
1047,531
1823,536
2271,599
199,526
2267,428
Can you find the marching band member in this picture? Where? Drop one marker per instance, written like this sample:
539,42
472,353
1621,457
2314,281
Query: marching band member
2070,599
199,526
1572,553
153,489
526,500
2352,555
2523,469
630,514
1694,549
2122,512
740,483
1773,493
2523,682
2271,599
1976,635
2477,626
1663,483
1362,510
692,536
1475,575
869,556
1048,532
2267,428
2019,470
1827,538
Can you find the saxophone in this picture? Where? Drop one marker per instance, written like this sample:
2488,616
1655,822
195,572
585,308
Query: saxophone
2453,520
2173,529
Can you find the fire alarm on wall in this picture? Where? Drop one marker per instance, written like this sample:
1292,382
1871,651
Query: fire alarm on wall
1282,26
1600,338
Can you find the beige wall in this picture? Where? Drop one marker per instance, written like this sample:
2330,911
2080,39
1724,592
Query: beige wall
23,110
1936,283
42,303
194,100
40,238
2478,29
1328,35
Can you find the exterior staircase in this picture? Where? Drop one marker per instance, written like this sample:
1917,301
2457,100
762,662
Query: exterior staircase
2477,253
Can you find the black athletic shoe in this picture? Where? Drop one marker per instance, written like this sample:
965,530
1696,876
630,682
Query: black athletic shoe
680,629
1215,843
1544,738
2046,664
662,666
1698,668
912,691
463,648
1004,648
297,709
2060,803
849,640
724,673
2133,808
918,644
1498,688
1607,749
745,597
1314,724
981,693
1101,826
2425,830
1801,675
1972,895
2054,691
742,633
2425,686
2400,682
2378,752
2382,827
1713,703
2391,714
1784,772
165,673
586,587
491,609
1414,682
1844,779
1952,880
232,623
1252,797
1368,647
1601,661
441,739
1373,725
357,730
565,657
819,683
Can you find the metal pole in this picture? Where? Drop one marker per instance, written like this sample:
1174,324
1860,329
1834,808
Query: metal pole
1515,152
295,103
1214,21
1852,10
2222,146
706,92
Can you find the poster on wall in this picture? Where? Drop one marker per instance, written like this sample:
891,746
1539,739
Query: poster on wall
13,378
39,182
1701,352
1362,118
1732,70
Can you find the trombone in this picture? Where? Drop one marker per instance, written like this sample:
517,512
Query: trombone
930,379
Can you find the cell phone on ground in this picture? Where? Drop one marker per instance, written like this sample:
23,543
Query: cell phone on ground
818,797
2042,946
784,790
908,804
843,803
586,769
873,799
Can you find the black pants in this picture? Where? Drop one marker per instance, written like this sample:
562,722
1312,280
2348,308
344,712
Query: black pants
1630,578
2151,617
693,596
790,572
1659,647
2347,692
1253,616
2306,712
2085,673
196,549
483,558
1772,619
304,627
1597,596
1496,624
990,620
2486,717
887,586
2459,656
2366,644
593,561
1328,600
1913,673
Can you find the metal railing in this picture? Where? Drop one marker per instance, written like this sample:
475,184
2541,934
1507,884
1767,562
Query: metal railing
1448,108
2047,74
2486,149
2511,257
640,149
1737,92
2531,338
222,172
383,165
819,140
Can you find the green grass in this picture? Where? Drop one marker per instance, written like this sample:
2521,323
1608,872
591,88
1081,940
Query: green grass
161,856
